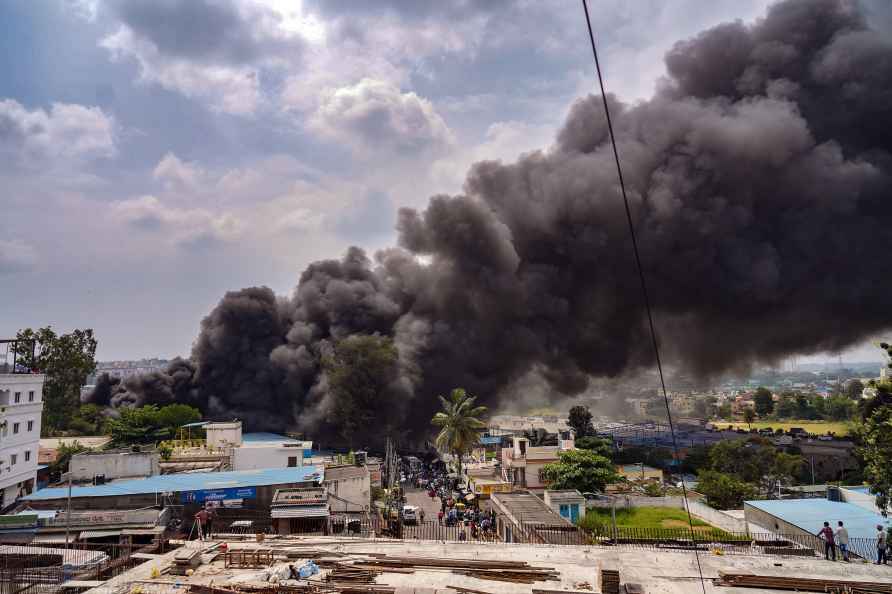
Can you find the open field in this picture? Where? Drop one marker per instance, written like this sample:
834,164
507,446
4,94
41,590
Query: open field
816,427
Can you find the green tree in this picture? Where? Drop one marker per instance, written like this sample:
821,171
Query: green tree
786,406
460,424
598,445
749,415
174,416
63,456
67,360
764,402
582,470
87,420
361,372
148,424
724,491
875,433
580,420
755,461
137,426
724,411
841,408
854,388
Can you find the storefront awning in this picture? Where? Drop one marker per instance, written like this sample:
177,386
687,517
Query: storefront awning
304,511
88,534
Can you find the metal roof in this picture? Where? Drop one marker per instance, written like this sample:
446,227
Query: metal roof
300,511
88,534
262,437
810,515
176,483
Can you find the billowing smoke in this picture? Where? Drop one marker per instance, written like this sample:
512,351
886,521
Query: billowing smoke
759,177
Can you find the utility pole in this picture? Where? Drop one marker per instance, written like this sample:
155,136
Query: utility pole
68,512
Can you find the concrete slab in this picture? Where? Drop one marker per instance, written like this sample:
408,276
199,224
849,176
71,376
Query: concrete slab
659,572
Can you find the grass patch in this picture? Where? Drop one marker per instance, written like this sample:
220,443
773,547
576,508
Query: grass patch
646,517
651,523
817,427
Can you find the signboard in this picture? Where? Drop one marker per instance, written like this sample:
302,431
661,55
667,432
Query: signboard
218,494
299,496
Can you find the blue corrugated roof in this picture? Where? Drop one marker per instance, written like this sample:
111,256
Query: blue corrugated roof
264,437
186,482
810,515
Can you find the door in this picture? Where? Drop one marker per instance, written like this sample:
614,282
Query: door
574,513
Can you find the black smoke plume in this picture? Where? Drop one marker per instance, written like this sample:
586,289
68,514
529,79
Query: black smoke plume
759,177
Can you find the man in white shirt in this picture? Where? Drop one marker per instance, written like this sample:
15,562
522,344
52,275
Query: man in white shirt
841,536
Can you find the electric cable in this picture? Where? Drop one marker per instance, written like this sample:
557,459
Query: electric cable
644,293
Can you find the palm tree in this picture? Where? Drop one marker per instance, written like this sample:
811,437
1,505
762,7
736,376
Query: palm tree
459,424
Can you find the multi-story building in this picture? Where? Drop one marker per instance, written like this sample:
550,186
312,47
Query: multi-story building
21,404
522,463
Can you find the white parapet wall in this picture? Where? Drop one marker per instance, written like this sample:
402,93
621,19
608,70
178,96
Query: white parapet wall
114,465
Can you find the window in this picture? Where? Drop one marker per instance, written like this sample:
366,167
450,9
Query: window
30,425
565,511
15,428
31,396
13,458
27,455
292,461
18,397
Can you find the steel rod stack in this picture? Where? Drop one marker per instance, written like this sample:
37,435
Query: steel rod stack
800,584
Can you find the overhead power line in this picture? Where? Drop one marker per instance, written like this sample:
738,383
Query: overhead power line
644,293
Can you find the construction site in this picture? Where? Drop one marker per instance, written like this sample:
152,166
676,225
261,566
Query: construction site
252,564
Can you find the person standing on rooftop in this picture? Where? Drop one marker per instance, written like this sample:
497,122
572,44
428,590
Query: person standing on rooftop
827,534
842,540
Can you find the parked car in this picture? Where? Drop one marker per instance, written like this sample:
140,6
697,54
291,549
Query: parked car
410,514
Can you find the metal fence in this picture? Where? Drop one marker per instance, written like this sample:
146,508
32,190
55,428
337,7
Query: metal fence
704,538
42,568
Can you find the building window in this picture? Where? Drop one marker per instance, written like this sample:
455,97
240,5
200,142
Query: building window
13,458
30,425
15,428
27,455
31,396
18,397
292,461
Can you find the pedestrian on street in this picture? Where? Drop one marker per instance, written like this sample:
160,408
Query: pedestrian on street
842,540
421,514
827,534
881,545
440,517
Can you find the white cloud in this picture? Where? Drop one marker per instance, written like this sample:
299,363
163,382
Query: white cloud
177,174
16,256
504,141
229,89
179,225
374,118
66,131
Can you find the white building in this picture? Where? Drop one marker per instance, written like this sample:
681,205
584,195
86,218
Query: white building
251,451
348,488
21,405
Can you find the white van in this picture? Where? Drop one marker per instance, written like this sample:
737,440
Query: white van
410,514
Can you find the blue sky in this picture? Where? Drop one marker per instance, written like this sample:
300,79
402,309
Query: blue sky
155,154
